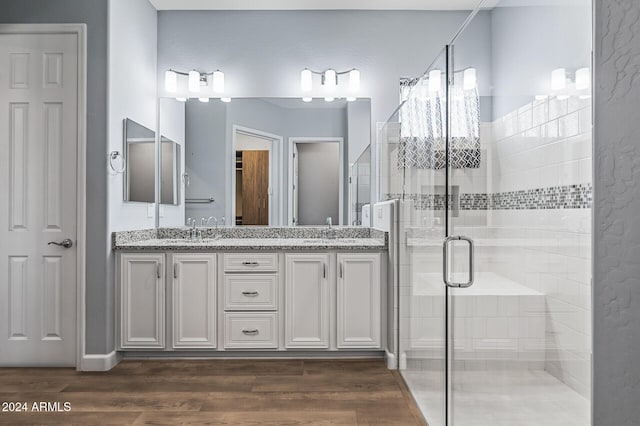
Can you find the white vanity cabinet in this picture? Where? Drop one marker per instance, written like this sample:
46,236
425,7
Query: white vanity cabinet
142,301
193,292
358,301
307,296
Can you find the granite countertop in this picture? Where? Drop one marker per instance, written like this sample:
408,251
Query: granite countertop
251,239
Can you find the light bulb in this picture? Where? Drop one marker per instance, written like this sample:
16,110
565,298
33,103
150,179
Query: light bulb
435,80
194,81
354,80
329,99
218,81
307,99
306,80
469,79
181,99
558,79
170,81
330,80
583,79
203,100
226,100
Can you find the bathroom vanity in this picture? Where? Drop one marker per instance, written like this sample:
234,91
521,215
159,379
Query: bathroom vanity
251,289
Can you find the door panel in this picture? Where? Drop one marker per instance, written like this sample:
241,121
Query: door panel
38,175
255,187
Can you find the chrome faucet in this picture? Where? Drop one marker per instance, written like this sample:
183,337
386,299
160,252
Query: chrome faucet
329,221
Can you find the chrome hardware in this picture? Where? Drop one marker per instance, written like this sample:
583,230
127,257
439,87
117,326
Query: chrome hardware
158,270
114,155
445,261
252,332
66,243
247,263
250,293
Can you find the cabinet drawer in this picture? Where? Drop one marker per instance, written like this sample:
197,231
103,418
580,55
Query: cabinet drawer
250,292
234,262
251,330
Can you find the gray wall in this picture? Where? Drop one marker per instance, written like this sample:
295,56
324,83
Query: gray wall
318,183
99,276
262,53
616,359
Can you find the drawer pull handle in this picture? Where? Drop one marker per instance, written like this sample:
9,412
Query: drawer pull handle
251,332
250,293
246,263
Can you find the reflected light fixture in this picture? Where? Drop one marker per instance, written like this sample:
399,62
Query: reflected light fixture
583,79
435,80
170,81
330,80
469,79
559,79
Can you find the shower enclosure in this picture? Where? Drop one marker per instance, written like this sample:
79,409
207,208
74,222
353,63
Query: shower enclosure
490,155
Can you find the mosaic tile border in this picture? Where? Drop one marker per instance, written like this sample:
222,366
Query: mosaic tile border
578,196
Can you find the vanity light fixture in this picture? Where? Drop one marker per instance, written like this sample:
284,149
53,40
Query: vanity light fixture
195,80
330,81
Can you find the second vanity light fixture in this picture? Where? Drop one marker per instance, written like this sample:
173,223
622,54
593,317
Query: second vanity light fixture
197,83
329,80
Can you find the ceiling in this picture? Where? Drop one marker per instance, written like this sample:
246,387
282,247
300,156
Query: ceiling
315,4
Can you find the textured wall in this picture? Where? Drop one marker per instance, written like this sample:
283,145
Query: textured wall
617,214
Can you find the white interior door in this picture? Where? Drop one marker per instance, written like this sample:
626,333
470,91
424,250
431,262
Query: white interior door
38,178
295,184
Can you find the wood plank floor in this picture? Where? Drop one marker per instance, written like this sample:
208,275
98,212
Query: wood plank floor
215,392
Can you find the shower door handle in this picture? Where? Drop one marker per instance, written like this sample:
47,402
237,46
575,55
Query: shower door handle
445,261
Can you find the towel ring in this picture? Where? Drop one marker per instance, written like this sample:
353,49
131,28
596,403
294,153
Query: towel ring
114,155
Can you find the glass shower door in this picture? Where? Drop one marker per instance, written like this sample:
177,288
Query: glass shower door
518,187
412,147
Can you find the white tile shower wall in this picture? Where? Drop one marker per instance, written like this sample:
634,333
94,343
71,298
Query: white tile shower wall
543,144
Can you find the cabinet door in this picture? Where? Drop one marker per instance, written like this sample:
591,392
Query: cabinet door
358,301
142,300
307,301
194,300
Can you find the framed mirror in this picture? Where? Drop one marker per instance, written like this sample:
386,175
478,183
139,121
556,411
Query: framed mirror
140,158
170,175
265,161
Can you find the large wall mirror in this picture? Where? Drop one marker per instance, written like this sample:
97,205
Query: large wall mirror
140,158
170,175
267,161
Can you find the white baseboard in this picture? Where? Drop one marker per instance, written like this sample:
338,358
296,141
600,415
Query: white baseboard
403,361
100,362
392,360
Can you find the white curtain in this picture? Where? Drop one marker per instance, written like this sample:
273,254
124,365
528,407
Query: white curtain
423,127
